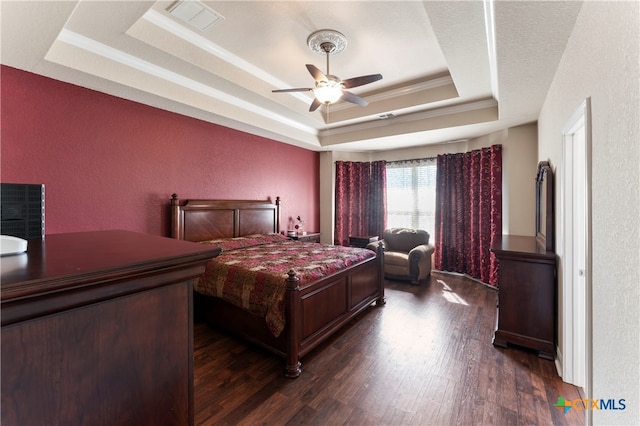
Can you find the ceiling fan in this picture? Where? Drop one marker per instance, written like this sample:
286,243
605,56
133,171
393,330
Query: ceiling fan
329,88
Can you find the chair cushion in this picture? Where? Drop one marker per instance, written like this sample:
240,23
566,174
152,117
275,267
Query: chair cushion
396,258
404,239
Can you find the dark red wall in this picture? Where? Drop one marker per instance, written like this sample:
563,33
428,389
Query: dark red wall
109,163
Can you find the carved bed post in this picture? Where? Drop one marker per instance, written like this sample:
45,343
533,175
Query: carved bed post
292,367
380,259
177,219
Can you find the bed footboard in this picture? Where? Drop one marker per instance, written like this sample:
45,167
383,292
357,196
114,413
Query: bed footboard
318,310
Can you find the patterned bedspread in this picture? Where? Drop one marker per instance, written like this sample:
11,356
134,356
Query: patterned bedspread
251,271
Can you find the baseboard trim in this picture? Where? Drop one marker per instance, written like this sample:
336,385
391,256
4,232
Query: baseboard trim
558,362
469,277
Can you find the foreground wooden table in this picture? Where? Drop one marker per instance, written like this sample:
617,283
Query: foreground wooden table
97,329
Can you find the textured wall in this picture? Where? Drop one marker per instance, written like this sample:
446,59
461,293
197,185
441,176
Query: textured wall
602,61
110,163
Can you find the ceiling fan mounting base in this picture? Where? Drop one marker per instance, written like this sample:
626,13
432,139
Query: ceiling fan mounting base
327,42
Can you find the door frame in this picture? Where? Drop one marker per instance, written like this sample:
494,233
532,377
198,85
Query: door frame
572,314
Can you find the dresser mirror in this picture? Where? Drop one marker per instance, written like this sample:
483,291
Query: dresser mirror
544,207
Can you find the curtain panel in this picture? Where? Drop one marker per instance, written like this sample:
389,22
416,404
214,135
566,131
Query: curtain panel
360,200
469,212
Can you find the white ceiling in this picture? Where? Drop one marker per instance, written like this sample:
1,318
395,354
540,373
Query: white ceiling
451,69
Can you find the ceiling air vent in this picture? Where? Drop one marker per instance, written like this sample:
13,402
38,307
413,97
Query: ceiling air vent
195,14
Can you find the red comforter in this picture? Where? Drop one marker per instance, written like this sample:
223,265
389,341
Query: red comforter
251,271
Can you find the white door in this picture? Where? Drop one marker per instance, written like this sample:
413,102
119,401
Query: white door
579,253
576,249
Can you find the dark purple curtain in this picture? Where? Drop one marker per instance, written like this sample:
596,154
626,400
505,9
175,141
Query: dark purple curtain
361,200
378,198
469,212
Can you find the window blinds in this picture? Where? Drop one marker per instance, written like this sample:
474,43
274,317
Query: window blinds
411,194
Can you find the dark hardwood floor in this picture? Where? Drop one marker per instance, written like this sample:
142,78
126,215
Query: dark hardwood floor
425,358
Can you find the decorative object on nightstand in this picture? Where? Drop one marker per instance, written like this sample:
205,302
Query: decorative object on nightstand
300,226
362,241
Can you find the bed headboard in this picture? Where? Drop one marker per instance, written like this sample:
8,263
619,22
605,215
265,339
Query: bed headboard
202,220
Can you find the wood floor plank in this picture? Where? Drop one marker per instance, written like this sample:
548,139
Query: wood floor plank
425,358
449,407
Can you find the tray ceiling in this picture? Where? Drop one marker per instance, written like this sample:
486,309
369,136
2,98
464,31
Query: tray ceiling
451,70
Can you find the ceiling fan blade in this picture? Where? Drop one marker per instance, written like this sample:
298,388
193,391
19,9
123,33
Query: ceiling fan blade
314,105
361,81
301,89
316,73
350,97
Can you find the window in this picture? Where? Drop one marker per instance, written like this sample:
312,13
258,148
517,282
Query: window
411,194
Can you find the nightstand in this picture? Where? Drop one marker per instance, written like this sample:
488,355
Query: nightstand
362,241
310,237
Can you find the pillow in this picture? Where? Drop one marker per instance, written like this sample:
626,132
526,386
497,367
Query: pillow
227,244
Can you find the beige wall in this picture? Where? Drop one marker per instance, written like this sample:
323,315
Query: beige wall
519,162
602,62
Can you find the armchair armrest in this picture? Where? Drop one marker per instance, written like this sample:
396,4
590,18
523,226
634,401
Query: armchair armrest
420,261
423,250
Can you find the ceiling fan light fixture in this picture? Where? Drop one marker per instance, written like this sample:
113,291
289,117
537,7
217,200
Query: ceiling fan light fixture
328,92
329,88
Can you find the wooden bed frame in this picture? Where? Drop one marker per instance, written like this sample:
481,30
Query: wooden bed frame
314,311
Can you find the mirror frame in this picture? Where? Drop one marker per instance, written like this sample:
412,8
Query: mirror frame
545,236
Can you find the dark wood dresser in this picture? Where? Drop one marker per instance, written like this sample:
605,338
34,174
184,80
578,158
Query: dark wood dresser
527,312
97,328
